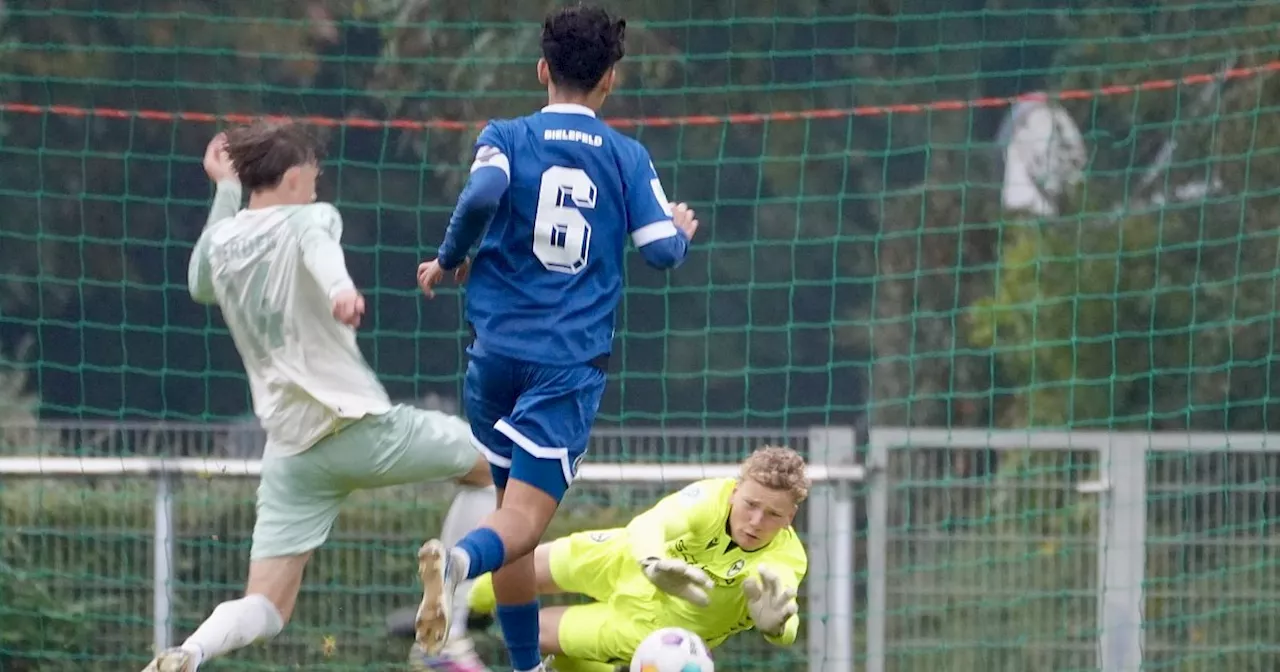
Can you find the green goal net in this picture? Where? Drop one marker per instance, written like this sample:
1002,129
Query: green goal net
951,214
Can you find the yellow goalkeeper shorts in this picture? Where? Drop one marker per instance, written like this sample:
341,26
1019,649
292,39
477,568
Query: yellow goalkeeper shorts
299,495
599,565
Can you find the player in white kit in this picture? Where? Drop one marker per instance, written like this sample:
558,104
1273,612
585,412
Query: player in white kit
277,271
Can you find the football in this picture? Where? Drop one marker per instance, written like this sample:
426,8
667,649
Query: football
672,650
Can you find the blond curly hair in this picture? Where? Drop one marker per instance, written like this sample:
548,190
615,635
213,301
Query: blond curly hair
777,468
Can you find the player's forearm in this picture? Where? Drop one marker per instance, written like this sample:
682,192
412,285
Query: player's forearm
648,539
666,253
788,635
226,201
200,276
476,206
323,258
650,531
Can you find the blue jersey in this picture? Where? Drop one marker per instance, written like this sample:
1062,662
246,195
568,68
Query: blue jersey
547,277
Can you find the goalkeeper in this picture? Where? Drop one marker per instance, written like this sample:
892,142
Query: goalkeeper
717,558
277,271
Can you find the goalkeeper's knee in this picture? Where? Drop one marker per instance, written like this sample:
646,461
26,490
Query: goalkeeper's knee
482,599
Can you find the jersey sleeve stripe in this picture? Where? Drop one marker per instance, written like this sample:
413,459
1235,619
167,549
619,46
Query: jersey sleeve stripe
493,159
653,232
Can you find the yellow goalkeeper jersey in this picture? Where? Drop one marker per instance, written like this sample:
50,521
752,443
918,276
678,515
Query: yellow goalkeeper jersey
694,524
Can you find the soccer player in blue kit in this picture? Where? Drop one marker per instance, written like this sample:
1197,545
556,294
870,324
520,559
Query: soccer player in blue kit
556,196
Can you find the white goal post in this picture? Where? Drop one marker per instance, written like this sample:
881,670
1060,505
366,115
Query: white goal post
830,512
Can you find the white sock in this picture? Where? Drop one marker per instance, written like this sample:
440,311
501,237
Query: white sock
234,625
469,507
462,561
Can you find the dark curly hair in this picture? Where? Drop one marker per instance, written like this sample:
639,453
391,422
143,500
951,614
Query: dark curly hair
263,151
580,44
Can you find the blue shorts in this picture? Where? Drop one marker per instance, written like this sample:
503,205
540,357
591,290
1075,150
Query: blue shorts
531,421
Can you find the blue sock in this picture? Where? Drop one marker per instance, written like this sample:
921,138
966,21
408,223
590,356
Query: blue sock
520,630
485,549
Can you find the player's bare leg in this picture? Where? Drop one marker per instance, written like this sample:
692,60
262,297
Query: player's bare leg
479,476
482,599
270,596
549,630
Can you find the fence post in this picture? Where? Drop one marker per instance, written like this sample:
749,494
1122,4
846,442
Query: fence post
831,555
877,547
162,576
1122,538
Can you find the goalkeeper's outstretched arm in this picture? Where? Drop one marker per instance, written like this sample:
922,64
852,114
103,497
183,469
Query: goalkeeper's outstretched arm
650,531
771,600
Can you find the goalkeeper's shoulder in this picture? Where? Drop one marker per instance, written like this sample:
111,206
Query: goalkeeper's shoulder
710,496
708,490
699,506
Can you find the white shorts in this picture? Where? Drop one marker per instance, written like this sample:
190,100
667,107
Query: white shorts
299,495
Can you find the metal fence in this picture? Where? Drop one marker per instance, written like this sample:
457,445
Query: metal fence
1113,551
938,549
628,470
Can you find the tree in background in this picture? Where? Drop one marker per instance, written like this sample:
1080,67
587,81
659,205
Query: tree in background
1152,304
887,226
856,268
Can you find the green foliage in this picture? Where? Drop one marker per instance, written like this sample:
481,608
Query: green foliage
35,627
1140,322
1068,294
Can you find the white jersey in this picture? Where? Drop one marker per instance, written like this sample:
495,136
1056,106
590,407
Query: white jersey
273,272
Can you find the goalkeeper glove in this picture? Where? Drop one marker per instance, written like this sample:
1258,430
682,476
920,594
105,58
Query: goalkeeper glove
678,578
768,602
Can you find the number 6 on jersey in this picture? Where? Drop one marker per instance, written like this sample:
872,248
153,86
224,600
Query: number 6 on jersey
561,234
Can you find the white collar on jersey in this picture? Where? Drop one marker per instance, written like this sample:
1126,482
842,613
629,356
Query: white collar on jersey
569,108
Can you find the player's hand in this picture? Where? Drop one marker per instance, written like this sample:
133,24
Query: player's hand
683,217
217,162
678,578
430,273
768,602
348,307
463,271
